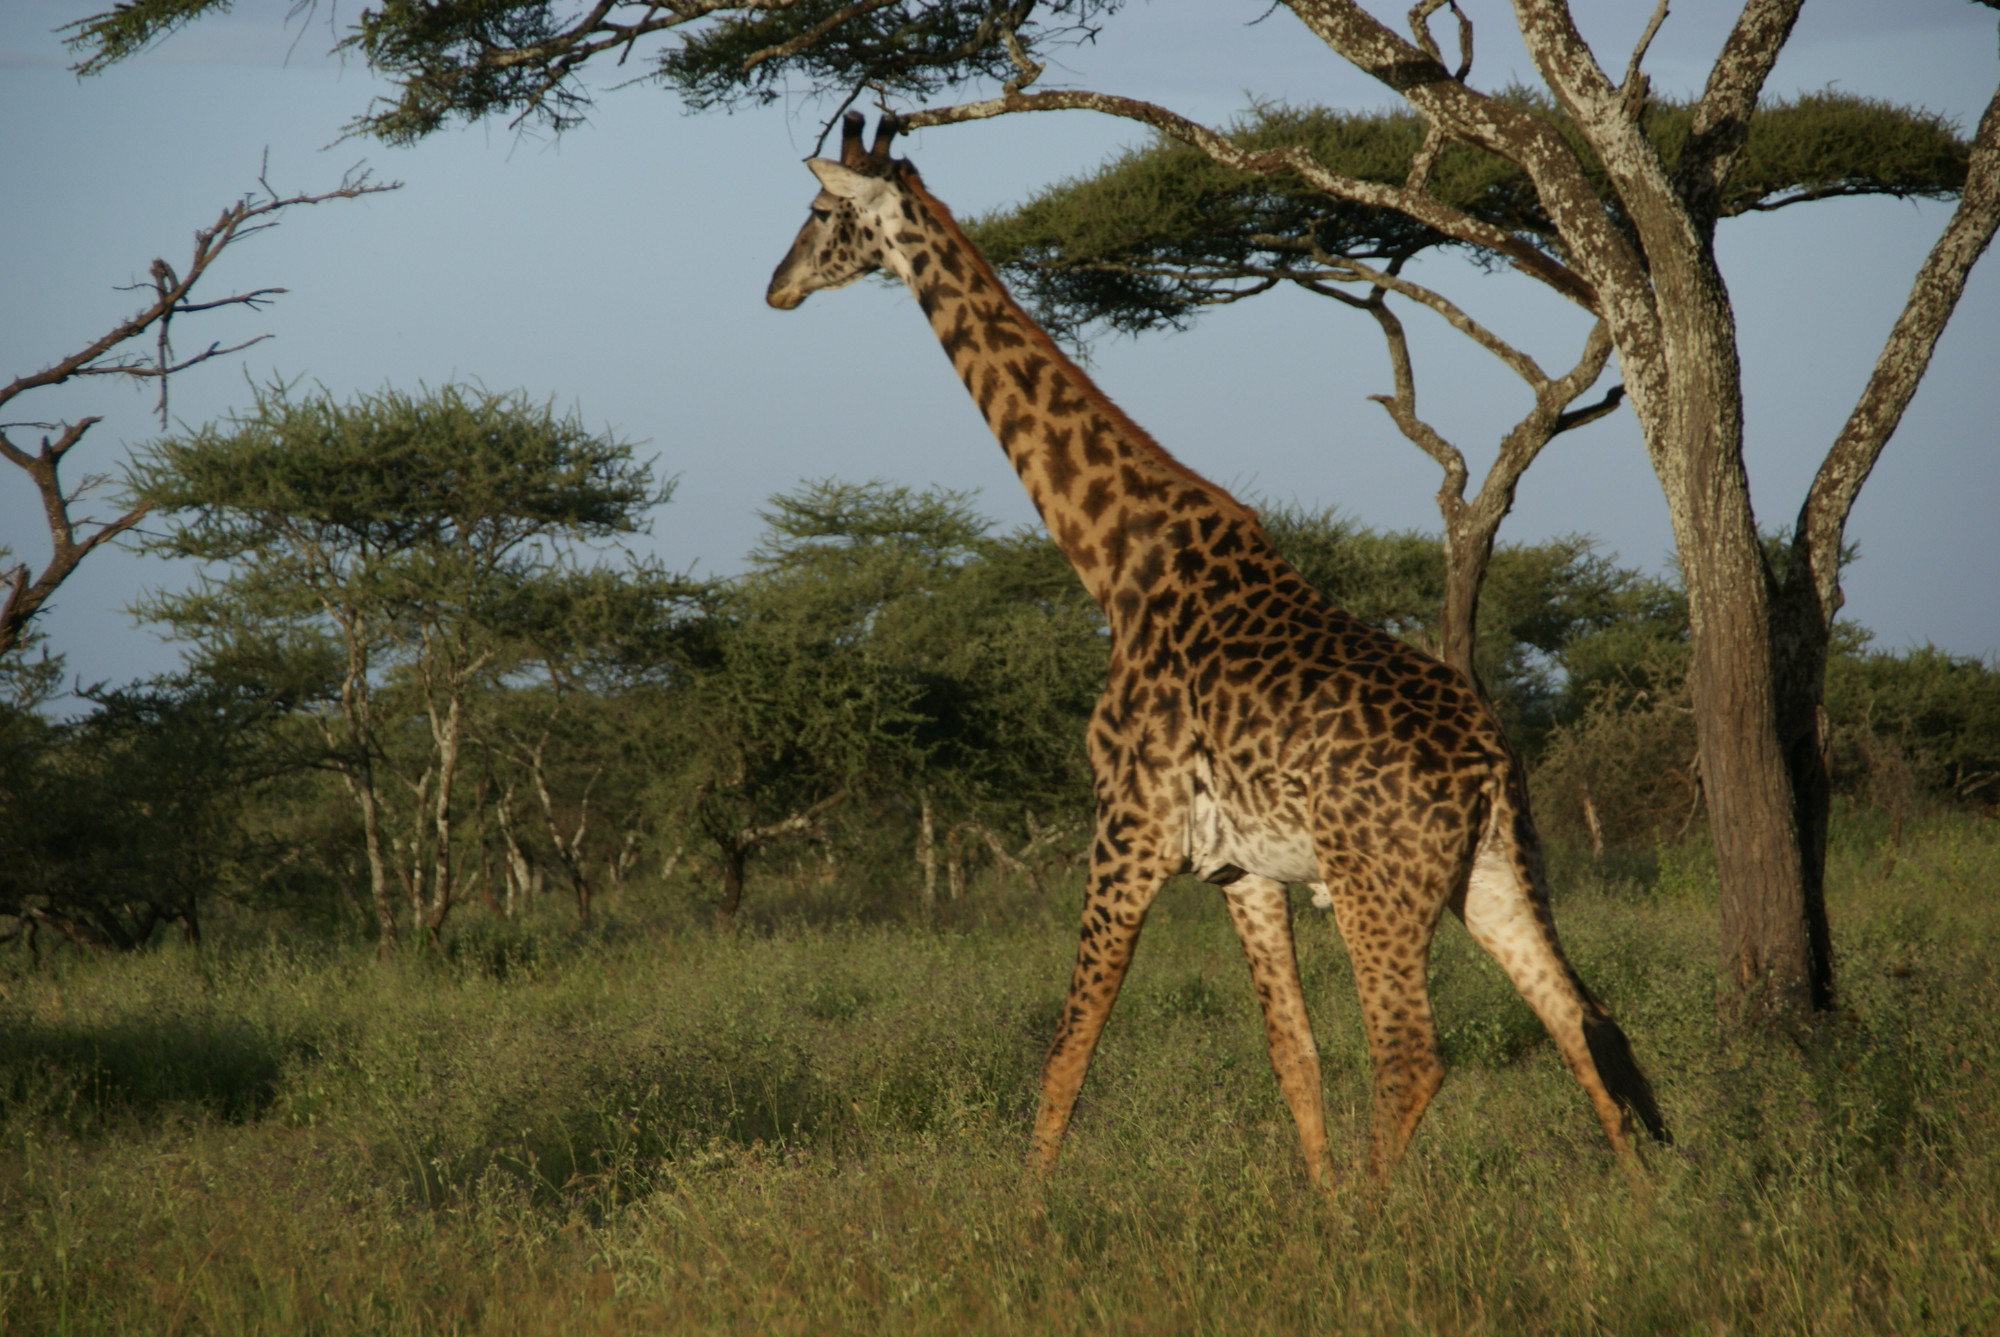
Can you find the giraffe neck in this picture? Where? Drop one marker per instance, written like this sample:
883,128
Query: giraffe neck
1106,490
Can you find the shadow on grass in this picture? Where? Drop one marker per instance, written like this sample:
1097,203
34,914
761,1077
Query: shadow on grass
81,1074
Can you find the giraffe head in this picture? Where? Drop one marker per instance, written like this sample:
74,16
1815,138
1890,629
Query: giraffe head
843,238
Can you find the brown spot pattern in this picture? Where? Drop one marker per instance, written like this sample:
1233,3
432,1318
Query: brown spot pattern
1250,732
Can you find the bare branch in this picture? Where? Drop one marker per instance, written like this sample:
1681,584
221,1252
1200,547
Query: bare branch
1590,413
797,824
1597,254
1520,363
1403,409
144,372
1420,14
1809,195
170,291
1030,70
1426,156
256,299
1633,91
1312,284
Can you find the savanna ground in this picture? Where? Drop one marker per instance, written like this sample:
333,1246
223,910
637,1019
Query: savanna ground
817,1127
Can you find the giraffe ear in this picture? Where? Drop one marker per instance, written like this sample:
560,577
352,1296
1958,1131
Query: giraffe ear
839,179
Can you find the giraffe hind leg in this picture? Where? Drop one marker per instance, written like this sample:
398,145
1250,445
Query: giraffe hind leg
1513,927
1262,914
1388,942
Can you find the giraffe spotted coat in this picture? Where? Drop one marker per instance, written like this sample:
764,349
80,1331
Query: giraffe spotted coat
1250,731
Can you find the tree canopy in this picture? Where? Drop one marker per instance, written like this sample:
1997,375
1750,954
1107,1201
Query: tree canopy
379,561
1160,232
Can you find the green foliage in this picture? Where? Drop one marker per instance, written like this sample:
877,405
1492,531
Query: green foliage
1920,724
906,48
885,650
821,1132
1623,774
1824,144
1160,232
435,52
130,27
130,817
1000,648
466,60
387,563
464,473
1908,731
29,680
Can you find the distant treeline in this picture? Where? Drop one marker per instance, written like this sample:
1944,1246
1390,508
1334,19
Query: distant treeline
423,673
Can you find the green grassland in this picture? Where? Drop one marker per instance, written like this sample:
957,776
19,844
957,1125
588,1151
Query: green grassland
817,1126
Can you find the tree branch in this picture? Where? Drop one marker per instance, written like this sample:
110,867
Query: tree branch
1900,367
796,824
1633,91
1721,121
171,289
813,34
101,357
1414,203
1402,409
1520,363
1597,254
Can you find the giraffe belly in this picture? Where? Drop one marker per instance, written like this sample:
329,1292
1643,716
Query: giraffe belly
1276,845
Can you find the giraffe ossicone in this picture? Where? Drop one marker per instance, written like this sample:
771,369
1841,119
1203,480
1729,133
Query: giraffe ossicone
1250,732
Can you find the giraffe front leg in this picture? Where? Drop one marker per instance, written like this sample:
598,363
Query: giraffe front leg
1263,917
1114,909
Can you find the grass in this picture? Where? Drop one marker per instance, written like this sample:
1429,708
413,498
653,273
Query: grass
818,1129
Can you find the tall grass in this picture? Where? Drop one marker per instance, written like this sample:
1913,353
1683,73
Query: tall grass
818,1129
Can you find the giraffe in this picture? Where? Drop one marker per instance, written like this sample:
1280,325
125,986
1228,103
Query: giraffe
1250,732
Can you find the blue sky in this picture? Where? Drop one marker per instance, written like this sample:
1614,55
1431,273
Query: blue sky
621,270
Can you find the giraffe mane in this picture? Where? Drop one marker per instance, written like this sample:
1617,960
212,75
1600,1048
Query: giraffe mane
906,171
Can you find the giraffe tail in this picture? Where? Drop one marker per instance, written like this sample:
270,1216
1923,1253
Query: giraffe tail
1516,927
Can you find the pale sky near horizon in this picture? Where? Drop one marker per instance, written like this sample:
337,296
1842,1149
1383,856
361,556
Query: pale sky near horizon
621,270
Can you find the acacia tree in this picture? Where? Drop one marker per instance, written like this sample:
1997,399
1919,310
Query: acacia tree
1161,234
116,353
787,711
586,658
999,650
1638,255
373,551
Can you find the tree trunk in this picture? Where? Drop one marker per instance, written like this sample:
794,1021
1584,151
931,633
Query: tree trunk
1466,554
447,742
954,866
1759,845
1803,639
1694,434
518,872
363,789
927,851
732,886
1593,824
